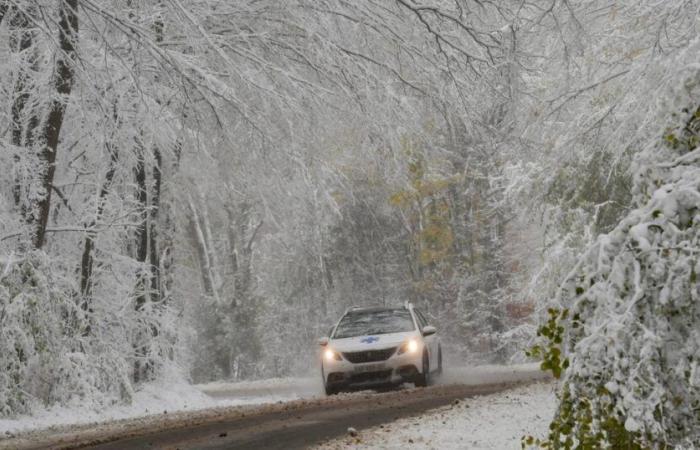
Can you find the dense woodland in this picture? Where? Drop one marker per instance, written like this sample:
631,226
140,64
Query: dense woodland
204,187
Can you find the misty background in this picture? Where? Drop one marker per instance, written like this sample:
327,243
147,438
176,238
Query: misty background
204,187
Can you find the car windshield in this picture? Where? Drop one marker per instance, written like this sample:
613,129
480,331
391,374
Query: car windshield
381,321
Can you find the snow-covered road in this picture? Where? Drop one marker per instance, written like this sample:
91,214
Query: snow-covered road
302,423
251,413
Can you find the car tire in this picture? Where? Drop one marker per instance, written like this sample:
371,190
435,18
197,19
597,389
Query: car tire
329,390
423,379
439,368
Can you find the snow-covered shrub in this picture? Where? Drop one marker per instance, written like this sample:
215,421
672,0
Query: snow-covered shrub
46,355
627,333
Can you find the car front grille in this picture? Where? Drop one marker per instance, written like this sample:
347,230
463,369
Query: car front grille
369,355
382,375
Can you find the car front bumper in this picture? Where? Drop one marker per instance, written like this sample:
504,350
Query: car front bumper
404,368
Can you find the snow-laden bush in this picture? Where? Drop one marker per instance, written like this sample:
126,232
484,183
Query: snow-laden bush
46,355
626,335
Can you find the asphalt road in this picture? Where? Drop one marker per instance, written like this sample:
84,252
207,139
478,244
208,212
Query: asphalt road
301,424
274,414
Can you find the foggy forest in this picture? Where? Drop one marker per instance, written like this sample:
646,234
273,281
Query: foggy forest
197,190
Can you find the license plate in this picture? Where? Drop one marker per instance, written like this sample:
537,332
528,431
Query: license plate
369,368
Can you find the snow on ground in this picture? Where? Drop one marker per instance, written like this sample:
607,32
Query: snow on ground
472,375
168,396
264,391
165,397
174,395
496,421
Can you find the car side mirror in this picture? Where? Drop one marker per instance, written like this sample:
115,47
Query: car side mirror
429,330
323,341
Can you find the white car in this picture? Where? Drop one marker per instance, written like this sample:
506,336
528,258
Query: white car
379,346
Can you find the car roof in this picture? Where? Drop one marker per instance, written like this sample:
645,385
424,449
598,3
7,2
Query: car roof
375,309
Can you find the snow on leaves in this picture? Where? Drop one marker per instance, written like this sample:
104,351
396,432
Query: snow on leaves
633,319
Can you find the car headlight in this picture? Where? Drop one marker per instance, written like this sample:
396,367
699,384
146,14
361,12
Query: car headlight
331,355
410,346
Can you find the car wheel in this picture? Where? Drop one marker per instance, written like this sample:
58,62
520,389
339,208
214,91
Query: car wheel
424,378
439,368
330,390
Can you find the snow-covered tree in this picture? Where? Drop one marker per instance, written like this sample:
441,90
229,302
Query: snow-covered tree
625,332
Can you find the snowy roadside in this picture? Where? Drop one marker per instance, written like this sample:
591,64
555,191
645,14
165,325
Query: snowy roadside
496,421
154,400
150,400
173,397
262,391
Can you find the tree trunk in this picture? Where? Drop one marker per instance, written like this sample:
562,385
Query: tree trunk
241,309
157,173
150,289
202,253
205,229
21,41
141,364
167,234
241,238
64,78
87,260
154,257
141,237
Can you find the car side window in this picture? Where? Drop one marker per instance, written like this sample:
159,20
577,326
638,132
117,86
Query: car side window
421,318
422,323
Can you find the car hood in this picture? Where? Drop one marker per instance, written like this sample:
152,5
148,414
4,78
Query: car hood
371,342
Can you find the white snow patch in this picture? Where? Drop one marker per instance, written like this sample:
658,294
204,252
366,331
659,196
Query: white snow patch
272,389
485,374
175,395
166,397
496,421
152,399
